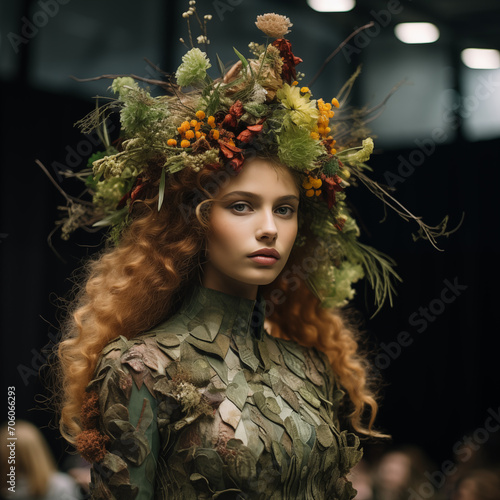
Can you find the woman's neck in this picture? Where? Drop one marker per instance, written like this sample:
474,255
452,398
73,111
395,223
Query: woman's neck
228,285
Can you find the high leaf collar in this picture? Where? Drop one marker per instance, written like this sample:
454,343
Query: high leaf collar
212,312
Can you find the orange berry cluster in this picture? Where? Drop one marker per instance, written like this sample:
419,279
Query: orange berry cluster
325,113
312,185
192,130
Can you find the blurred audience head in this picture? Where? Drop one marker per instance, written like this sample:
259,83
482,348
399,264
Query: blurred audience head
400,472
33,458
361,478
479,484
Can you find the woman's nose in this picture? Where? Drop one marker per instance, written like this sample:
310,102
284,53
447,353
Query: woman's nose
267,226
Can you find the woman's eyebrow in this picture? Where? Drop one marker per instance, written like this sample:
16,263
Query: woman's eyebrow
257,196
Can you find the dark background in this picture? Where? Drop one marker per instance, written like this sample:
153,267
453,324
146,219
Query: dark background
440,387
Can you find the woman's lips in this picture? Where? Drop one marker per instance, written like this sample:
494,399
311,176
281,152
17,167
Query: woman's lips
264,259
265,256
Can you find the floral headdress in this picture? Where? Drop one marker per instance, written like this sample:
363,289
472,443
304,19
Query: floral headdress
259,107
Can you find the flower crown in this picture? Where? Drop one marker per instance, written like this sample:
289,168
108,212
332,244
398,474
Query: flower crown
256,107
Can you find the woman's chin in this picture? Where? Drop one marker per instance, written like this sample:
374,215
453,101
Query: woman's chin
262,280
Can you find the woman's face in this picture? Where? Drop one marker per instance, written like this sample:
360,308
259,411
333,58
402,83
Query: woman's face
254,213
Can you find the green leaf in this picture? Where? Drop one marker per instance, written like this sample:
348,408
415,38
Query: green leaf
162,189
90,182
262,63
244,61
213,100
241,58
96,156
221,66
112,219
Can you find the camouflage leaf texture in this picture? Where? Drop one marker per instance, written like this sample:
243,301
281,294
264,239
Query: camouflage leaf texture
239,414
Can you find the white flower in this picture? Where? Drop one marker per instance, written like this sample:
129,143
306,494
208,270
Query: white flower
274,25
259,94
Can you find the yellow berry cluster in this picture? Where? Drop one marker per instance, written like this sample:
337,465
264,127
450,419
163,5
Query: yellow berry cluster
303,90
312,185
325,113
192,130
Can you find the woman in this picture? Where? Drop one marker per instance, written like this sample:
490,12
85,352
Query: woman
206,356
207,401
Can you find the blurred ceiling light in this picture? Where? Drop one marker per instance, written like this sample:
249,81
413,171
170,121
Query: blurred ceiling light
332,5
417,32
481,58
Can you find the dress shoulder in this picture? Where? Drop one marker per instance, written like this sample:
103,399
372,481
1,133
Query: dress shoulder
143,357
127,388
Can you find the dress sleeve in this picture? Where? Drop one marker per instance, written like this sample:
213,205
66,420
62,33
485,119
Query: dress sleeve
122,429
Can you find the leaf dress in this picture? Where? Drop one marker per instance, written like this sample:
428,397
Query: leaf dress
208,405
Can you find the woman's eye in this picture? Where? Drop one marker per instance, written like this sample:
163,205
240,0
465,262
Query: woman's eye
285,210
239,207
244,208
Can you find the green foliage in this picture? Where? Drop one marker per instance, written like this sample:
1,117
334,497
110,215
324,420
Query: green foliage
193,69
333,285
139,115
109,192
123,86
297,149
243,60
331,167
112,219
96,156
378,267
161,192
211,99
256,109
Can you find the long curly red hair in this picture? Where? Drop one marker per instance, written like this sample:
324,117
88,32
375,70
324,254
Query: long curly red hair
131,287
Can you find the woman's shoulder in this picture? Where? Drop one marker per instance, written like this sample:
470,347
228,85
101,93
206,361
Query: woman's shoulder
149,353
165,337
